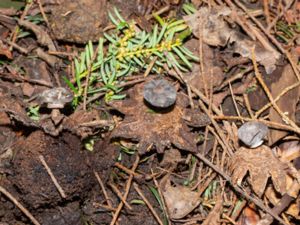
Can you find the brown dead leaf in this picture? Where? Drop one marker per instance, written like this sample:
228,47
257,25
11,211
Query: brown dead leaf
214,30
35,69
292,15
293,208
74,121
160,128
4,119
250,216
213,217
237,89
4,50
42,36
171,158
50,59
261,164
180,200
210,24
195,118
7,138
288,151
232,133
213,73
287,103
15,110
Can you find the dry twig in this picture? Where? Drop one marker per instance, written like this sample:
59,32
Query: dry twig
53,178
19,205
119,194
139,191
128,185
247,196
108,201
271,99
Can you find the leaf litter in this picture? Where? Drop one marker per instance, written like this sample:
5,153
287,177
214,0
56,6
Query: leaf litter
181,138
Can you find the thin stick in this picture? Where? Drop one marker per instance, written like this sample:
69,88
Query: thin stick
248,106
204,108
126,170
217,137
235,77
204,186
21,79
267,12
193,171
256,201
119,194
284,91
43,13
229,219
60,54
15,33
271,38
161,197
139,191
234,101
19,205
271,99
268,123
128,185
159,12
272,24
96,123
149,68
218,129
16,46
109,208
108,201
54,180
201,71
103,188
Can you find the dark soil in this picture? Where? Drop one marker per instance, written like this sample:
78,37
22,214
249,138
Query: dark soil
71,161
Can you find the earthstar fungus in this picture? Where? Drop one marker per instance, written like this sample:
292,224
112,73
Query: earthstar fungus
160,93
253,133
158,129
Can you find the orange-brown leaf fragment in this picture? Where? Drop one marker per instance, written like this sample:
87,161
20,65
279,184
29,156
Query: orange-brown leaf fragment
159,128
287,103
261,164
180,200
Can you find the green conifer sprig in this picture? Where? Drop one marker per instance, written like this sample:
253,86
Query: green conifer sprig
129,51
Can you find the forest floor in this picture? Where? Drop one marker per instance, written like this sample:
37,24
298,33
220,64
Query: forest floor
149,112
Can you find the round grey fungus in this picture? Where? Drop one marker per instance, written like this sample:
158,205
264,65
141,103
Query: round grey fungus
253,133
56,98
160,93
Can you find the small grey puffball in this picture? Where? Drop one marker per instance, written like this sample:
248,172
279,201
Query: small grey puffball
253,133
160,93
